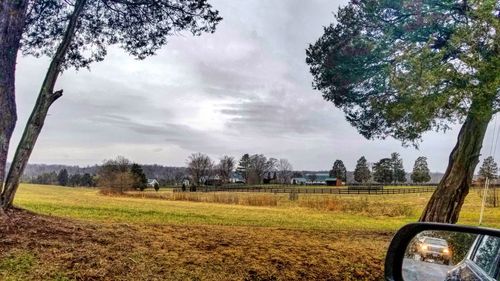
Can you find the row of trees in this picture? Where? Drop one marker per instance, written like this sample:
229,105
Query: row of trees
64,179
386,170
253,169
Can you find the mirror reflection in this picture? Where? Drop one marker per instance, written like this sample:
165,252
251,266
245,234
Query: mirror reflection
452,256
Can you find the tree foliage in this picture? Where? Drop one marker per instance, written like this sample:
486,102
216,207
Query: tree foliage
63,177
225,168
259,167
114,175
383,171
243,166
285,171
338,170
86,180
362,172
138,27
489,169
140,179
421,173
400,68
399,174
200,167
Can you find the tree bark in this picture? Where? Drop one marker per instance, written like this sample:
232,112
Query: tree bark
46,98
448,198
12,18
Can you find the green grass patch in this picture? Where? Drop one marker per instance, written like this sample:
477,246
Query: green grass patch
16,266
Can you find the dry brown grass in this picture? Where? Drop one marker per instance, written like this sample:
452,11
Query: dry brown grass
35,247
249,199
357,206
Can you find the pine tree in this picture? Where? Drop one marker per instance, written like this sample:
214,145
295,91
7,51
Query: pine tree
489,169
383,171
338,170
140,178
243,166
399,174
62,177
362,172
420,172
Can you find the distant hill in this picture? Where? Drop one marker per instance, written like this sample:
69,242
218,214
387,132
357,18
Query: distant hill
151,171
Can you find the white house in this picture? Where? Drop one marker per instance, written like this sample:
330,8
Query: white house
153,183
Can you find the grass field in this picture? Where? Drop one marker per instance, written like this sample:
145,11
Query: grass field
80,234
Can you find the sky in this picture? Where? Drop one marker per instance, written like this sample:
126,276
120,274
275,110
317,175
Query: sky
244,89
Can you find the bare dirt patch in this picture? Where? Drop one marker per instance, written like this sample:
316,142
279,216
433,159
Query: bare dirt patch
36,247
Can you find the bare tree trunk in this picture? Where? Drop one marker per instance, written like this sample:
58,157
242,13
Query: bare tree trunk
12,18
446,202
46,97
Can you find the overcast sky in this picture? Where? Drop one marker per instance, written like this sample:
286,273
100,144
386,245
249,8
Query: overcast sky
244,89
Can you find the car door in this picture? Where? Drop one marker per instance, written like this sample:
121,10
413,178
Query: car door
485,258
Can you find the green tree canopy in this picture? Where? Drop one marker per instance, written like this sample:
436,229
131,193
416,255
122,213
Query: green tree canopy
489,169
63,177
243,166
140,179
421,173
382,171
362,172
399,174
338,170
401,68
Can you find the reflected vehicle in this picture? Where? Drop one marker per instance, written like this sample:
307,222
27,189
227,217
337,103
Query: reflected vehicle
481,263
443,252
434,249
430,254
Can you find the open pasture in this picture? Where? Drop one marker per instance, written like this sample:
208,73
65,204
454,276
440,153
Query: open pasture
80,234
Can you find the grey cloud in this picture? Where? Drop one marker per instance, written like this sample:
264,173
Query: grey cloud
244,89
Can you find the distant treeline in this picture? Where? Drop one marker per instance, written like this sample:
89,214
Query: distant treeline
166,175
47,173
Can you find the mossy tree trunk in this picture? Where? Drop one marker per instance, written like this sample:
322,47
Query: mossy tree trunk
46,97
12,18
446,202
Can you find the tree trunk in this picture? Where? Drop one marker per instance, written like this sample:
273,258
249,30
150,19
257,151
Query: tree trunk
448,198
46,97
12,18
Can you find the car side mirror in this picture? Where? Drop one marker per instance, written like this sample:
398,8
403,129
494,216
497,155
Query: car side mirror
443,252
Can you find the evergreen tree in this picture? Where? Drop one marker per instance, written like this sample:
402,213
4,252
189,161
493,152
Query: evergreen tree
338,170
87,180
243,166
420,172
62,177
489,169
140,178
383,171
401,68
362,172
399,174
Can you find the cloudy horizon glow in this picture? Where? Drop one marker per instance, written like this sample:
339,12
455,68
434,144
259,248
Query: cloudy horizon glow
244,89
